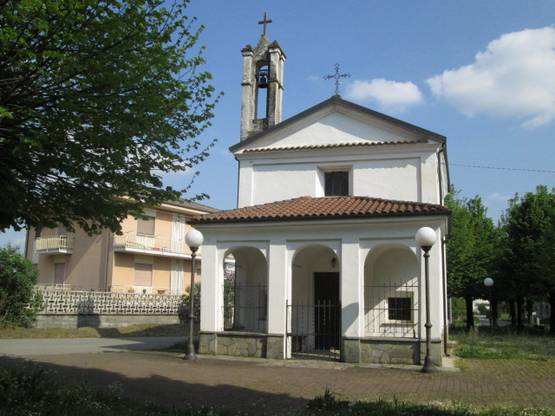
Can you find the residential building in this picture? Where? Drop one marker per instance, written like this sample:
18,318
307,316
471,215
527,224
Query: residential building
150,255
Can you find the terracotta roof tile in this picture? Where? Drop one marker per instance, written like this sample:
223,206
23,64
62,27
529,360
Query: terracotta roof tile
323,208
327,146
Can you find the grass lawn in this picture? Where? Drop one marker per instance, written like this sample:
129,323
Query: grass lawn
504,346
143,330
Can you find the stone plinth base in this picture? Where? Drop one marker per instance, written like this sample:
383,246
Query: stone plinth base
242,344
354,350
390,351
101,320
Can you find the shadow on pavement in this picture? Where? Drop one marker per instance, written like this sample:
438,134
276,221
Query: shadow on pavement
171,392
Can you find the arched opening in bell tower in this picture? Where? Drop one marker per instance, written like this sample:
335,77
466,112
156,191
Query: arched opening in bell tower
262,85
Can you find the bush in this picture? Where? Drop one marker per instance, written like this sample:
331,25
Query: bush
184,312
18,300
328,405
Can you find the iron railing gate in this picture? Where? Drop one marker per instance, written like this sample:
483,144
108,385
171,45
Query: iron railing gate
315,330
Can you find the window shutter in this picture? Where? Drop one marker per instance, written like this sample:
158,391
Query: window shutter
143,274
145,226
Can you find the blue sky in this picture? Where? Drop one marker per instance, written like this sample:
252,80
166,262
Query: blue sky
415,60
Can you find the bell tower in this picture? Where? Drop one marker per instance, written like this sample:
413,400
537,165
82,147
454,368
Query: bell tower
262,85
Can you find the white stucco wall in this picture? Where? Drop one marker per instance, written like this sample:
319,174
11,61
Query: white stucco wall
332,127
395,171
409,176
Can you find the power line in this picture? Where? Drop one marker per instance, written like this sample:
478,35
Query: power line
502,168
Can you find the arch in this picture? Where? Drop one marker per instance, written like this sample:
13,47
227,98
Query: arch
315,300
245,289
391,291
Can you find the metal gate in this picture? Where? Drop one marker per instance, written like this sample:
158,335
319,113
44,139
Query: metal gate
314,331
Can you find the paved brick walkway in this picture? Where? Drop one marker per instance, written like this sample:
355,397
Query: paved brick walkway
275,388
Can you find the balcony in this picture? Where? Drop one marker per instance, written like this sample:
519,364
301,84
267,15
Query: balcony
153,246
59,244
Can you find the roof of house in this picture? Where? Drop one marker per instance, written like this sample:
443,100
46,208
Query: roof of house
192,205
323,208
327,146
338,101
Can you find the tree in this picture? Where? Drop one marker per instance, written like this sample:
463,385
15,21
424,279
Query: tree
97,99
530,227
471,250
18,300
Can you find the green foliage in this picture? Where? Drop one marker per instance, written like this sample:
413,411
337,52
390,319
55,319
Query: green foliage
196,300
502,344
529,257
328,405
31,392
18,300
98,98
472,246
458,310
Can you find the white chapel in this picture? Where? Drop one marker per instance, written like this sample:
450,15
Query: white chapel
323,237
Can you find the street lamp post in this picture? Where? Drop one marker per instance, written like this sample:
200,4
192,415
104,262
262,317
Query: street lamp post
425,238
488,283
194,240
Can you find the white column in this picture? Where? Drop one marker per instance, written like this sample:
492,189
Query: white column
277,289
351,289
211,296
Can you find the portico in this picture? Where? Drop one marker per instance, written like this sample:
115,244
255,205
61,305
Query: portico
375,315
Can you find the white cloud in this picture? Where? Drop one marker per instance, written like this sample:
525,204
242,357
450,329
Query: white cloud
392,95
513,77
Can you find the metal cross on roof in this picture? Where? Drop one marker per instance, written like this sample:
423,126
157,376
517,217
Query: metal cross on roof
265,21
337,77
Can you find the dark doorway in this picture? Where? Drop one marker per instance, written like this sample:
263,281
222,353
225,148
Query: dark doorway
327,311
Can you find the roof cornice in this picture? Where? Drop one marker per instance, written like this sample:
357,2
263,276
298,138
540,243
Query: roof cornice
338,101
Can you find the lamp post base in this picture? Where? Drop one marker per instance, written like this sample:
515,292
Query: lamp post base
428,367
190,357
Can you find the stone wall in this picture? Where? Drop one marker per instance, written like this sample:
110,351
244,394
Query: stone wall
101,321
64,308
242,344
390,351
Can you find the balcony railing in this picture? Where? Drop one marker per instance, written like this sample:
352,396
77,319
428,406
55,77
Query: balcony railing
152,245
55,244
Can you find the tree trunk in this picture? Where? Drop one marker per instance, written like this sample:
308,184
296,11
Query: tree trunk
519,313
469,313
529,311
494,311
512,312
552,312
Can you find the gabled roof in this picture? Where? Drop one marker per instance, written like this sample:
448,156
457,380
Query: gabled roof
336,100
323,208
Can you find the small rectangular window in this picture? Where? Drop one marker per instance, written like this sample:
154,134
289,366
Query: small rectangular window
399,309
143,274
336,183
145,226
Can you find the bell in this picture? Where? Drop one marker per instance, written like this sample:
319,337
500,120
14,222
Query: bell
263,80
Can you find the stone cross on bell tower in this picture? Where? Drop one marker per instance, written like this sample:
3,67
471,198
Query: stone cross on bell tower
262,85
